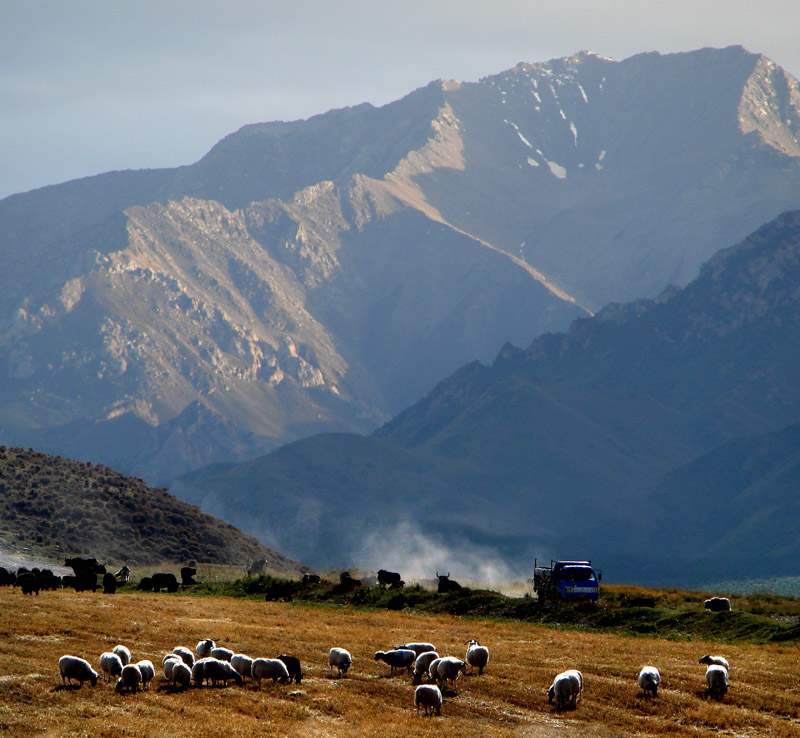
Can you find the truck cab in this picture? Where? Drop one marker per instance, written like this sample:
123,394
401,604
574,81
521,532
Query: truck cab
567,580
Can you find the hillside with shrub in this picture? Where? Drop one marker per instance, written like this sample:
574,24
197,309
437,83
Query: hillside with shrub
55,507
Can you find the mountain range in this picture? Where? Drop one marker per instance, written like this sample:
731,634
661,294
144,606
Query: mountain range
323,275
658,437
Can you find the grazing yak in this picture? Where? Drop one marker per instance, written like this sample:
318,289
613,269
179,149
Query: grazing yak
390,579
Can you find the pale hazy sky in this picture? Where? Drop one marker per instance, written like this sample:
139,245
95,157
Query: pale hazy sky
88,87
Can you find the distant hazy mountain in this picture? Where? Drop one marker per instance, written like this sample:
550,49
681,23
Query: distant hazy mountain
323,274
615,441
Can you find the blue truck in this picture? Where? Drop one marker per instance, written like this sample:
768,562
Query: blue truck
567,581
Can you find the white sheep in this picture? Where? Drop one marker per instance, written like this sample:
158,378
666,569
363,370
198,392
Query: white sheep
110,665
73,667
718,660
430,697
148,672
169,663
341,659
716,680
566,688
199,671
124,654
243,664
217,670
185,654
223,654
130,679
203,648
477,656
422,663
649,679
273,669
433,670
448,670
417,648
181,675
401,658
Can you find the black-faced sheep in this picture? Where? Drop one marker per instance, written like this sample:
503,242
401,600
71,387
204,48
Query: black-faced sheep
204,648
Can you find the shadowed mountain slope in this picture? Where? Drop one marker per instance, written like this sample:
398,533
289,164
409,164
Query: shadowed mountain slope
558,447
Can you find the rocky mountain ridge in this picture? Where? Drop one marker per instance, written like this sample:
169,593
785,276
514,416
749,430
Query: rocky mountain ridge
324,274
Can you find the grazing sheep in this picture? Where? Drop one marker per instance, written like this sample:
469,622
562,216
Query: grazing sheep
430,697
718,660
169,663
110,665
217,670
148,672
717,604
204,648
399,659
223,654
243,664
273,669
124,654
448,670
422,664
341,659
73,667
433,670
477,656
649,679
417,648
199,671
130,679
185,654
181,675
293,667
716,681
566,688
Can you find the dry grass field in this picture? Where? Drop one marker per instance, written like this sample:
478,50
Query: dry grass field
508,700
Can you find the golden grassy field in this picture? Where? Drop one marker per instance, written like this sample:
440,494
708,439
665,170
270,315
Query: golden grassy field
508,700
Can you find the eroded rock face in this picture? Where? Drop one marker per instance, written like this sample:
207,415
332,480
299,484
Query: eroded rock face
324,274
